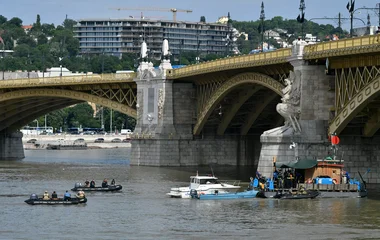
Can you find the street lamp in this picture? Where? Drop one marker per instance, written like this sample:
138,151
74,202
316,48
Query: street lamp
111,121
60,65
262,18
301,16
376,10
35,120
45,124
351,9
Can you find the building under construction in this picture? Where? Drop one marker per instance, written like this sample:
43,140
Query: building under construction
118,36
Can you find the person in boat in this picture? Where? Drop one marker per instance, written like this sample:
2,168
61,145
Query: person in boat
67,196
258,175
347,177
46,196
105,183
280,182
113,182
92,184
33,196
54,196
87,183
80,194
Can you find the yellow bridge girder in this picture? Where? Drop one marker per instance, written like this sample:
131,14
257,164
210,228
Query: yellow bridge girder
228,86
68,80
354,106
63,93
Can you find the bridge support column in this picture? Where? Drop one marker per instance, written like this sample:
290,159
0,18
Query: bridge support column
163,135
11,147
315,100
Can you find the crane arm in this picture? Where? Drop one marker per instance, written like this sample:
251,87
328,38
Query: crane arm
154,9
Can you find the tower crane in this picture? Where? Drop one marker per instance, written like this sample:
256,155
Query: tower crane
173,10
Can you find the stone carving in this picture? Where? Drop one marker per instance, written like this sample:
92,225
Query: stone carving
146,71
290,106
161,100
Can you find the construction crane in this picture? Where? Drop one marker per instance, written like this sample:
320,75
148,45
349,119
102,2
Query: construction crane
173,10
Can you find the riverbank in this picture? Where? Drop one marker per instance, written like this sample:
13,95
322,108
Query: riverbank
36,142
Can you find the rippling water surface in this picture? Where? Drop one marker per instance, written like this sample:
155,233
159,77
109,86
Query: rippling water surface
143,211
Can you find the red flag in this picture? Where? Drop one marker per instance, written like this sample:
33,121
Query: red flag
335,140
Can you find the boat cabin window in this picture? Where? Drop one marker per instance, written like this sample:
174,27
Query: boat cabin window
208,181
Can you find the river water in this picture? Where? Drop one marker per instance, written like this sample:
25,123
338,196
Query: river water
143,211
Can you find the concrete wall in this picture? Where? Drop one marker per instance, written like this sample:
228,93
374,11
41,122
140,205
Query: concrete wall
221,150
11,147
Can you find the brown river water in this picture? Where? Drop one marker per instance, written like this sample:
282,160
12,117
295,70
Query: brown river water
143,211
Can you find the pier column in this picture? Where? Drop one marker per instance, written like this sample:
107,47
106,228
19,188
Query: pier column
315,100
11,147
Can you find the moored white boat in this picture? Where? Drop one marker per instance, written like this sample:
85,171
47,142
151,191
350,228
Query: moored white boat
203,185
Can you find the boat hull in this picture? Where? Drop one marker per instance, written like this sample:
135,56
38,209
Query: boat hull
221,196
60,201
325,194
307,195
112,188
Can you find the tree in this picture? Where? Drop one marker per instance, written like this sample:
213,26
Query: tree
2,19
17,22
37,25
203,19
69,24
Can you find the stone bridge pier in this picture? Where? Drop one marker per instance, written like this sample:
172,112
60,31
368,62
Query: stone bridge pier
312,99
11,147
163,134
164,131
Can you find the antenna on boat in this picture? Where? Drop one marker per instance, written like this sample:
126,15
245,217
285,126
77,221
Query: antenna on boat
212,171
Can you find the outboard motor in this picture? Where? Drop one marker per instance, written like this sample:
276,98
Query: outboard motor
78,185
193,193
33,196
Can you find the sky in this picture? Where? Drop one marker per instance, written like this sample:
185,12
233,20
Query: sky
55,11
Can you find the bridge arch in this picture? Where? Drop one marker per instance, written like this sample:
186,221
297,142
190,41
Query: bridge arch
74,96
355,106
228,86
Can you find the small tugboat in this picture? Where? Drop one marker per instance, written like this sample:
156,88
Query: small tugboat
34,200
219,196
108,188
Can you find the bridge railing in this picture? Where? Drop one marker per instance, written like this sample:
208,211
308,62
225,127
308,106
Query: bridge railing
229,63
311,51
68,80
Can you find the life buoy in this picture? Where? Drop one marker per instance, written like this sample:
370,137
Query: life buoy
335,181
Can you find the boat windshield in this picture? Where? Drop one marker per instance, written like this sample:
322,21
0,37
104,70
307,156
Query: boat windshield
209,181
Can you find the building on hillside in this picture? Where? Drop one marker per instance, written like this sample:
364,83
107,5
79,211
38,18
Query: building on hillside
118,36
310,38
361,31
27,28
5,53
271,34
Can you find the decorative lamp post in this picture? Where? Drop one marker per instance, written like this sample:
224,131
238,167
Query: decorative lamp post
301,16
262,18
351,9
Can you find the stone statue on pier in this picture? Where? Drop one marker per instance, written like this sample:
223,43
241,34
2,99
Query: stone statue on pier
290,106
165,62
145,69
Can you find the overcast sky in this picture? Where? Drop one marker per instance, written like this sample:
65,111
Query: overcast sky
54,11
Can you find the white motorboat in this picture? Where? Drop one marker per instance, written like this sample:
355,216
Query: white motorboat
203,185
